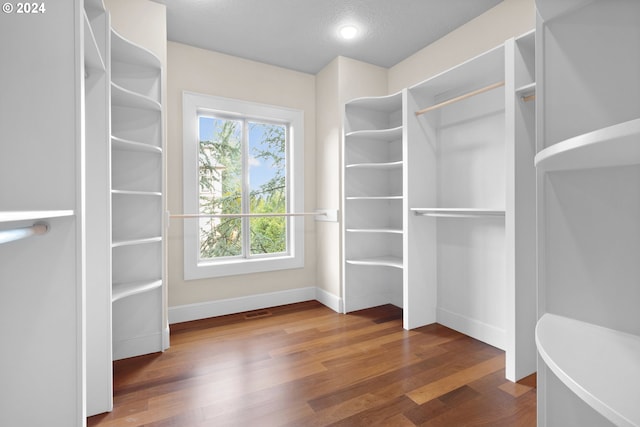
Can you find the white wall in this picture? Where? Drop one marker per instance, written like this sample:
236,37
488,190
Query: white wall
197,70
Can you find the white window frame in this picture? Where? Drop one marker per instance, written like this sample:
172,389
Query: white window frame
194,104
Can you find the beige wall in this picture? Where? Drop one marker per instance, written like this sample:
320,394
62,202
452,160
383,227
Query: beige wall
322,98
341,80
510,18
197,70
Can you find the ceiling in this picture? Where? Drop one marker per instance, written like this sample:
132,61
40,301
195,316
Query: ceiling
303,35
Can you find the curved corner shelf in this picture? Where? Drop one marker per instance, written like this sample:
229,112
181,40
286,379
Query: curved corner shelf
600,365
375,230
390,134
133,242
14,216
125,98
374,197
123,290
383,261
136,193
379,166
459,212
94,5
386,104
128,145
617,145
123,50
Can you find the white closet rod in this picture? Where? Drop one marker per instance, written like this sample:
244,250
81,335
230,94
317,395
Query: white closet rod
257,215
460,98
13,234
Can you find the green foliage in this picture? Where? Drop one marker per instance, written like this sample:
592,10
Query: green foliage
221,192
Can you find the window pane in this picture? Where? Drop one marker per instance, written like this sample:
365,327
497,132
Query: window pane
220,192
268,192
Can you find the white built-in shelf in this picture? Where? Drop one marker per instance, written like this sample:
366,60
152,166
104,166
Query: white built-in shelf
458,212
384,261
482,70
375,230
127,98
92,56
600,365
390,134
616,145
13,216
385,104
122,50
374,197
134,242
526,89
382,165
128,145
97,5
136,193
123,290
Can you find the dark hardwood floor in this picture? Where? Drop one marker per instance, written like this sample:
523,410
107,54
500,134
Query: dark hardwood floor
305,365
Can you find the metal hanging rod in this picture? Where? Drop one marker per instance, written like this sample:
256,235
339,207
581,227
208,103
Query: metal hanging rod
256,215
460,98
13,234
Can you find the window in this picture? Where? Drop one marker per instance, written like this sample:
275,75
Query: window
241,158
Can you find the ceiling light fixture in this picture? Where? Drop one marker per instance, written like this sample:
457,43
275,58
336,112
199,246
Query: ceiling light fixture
348,32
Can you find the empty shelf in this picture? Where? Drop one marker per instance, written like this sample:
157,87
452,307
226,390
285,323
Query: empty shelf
600,365
374,197
126,98
11,216
616,145
375,230
386,165
387,261
132,242
123,290
458,212
136,193
127,145
391,134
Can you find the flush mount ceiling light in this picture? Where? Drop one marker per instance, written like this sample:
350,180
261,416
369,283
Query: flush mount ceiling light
348,32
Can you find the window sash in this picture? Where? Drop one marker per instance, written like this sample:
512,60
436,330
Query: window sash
195,105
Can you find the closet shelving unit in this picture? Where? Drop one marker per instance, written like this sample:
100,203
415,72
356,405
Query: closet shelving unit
44,171
137,191
588,172
99,376
373,192
470,200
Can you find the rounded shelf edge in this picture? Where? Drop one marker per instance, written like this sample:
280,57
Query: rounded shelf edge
595,363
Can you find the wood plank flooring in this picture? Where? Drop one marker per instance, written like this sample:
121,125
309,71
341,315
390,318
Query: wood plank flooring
305,365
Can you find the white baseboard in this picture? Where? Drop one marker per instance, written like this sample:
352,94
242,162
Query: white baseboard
330,300
136,346
481,331
188,312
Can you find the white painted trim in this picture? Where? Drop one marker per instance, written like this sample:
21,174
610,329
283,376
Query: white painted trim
481,331
332,301
136,346
194,103
203,310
